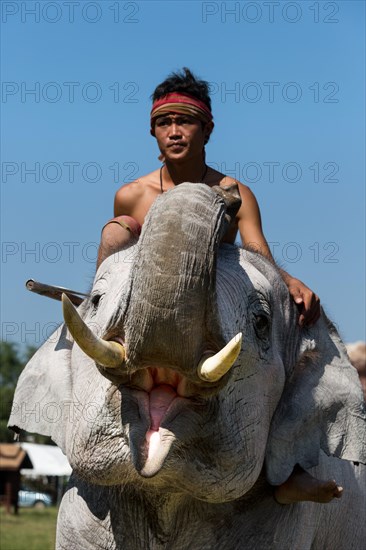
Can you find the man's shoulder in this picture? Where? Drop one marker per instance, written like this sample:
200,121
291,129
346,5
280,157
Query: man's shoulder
217,178
135,198
249,204
137,188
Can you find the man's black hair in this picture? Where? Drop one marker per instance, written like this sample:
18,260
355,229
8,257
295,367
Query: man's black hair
184,81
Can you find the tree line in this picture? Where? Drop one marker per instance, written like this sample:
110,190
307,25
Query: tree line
12,362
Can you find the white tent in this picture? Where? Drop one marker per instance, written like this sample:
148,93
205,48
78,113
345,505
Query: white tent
47,460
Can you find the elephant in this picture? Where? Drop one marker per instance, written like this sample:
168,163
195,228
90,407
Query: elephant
183,388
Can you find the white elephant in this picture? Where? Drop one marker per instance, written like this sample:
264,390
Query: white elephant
170,451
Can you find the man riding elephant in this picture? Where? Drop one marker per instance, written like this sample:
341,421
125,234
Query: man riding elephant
183,386
181,121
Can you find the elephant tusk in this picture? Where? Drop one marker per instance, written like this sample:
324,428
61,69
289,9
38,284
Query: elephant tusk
107,354
211,369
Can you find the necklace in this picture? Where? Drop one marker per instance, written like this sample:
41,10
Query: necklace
161,177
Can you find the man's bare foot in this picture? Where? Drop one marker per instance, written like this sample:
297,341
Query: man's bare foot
303,486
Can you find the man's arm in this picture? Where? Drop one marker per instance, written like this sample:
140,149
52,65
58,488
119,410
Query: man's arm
251,234
250,223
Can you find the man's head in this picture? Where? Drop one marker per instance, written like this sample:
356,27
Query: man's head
183,94
186,83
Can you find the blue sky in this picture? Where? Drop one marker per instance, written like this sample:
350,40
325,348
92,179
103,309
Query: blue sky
288,85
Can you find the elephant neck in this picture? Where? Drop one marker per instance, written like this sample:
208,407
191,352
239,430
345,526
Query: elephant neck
177,520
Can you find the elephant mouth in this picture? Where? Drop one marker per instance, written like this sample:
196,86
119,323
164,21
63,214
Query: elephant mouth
162,399
157,402
165,388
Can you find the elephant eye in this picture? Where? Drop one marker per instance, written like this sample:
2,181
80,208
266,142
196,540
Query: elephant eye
95,300
261,324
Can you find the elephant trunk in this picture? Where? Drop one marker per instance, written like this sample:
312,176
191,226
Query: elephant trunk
170,317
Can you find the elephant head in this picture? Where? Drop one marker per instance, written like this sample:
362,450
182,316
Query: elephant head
154,390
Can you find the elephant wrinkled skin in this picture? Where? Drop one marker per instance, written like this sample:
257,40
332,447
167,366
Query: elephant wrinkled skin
164,459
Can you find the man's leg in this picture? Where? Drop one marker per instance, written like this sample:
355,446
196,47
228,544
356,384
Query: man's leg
117,234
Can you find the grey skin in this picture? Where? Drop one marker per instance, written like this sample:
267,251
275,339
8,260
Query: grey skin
292,397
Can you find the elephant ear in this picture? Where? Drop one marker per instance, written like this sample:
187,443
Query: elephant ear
321,408
43,396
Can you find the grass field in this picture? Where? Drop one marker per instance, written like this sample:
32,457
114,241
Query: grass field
30,530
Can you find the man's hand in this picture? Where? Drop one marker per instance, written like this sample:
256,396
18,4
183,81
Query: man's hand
307,301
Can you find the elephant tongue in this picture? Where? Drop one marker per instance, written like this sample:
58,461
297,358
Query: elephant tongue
160,398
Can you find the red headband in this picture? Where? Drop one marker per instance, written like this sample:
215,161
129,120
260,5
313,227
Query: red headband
181,103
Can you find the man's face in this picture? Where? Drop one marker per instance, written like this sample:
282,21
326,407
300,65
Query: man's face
180,137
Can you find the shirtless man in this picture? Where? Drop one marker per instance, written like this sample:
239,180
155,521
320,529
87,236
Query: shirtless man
181,122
